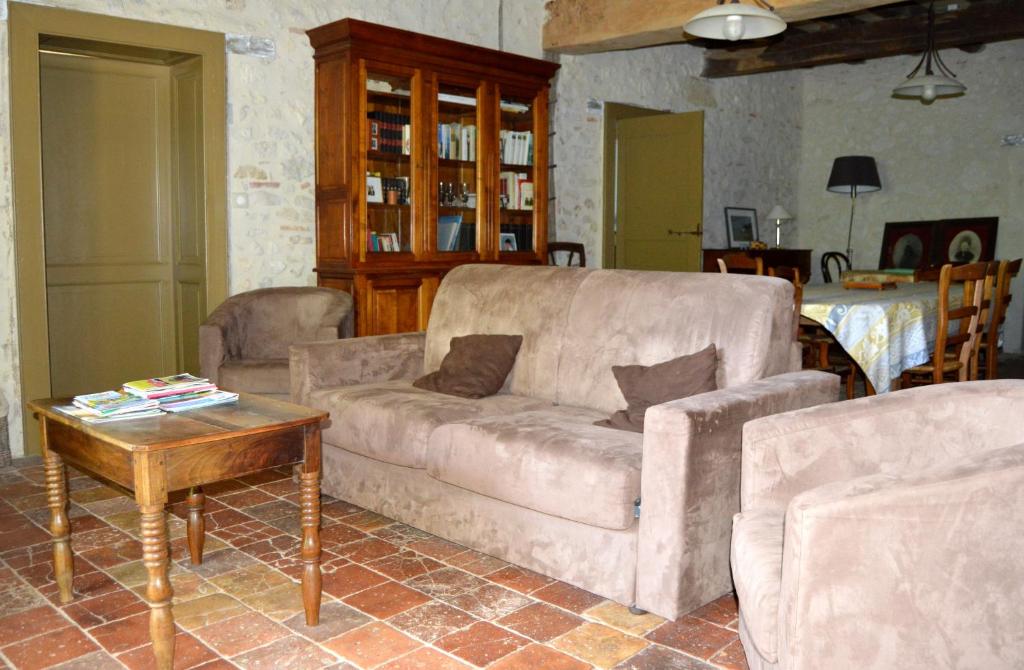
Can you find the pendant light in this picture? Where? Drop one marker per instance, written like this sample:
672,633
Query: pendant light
735,21
937,83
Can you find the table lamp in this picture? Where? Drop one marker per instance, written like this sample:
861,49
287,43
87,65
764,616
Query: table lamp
778,215
853,174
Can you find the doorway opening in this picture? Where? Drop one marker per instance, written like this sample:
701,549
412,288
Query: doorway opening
119,184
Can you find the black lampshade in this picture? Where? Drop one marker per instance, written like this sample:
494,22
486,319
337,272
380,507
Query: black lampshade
854,174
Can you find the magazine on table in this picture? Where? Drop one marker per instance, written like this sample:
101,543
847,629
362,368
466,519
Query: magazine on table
89,417
108,403
160,387
197,400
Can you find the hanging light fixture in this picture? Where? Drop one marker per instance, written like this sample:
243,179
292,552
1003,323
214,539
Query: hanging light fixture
734,21
937,83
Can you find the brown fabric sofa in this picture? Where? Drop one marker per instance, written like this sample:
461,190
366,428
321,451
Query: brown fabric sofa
885,532
243,344
525,475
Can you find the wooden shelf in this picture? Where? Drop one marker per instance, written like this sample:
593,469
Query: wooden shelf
451,162
509,167
386,206
387,156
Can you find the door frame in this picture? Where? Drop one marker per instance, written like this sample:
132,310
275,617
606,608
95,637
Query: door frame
26,23
613,111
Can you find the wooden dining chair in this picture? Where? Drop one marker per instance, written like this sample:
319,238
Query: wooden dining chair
836,259
791,275
954,356
574,250
1001,297
741,263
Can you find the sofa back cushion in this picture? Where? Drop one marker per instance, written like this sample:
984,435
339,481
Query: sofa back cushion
507,300
626,317
273,319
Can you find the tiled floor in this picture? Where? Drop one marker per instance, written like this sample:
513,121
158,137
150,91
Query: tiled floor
394,597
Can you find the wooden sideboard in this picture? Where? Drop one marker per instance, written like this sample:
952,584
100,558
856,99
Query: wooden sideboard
798,258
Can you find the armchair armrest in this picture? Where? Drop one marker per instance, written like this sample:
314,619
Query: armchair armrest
784,455
690,485
360,360
909,570
218,340
338,320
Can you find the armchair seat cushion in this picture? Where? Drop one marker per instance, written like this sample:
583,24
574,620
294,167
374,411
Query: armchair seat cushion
552,460
757,538
265,376
392,421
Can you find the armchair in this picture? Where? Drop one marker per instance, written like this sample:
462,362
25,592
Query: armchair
885,532
243,344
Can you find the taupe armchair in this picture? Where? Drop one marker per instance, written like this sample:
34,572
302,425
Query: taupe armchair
243,344
885,532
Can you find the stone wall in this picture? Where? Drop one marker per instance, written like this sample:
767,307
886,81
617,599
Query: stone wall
936,161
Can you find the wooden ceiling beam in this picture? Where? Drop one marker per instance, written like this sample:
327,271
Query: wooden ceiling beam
590,26
979,23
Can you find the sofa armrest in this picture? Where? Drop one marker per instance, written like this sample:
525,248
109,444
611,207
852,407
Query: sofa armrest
690,485
907,570
360,360
784,455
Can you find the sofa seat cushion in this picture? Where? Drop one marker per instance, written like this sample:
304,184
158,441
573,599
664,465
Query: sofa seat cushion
552,460
391,421
256,375
757,572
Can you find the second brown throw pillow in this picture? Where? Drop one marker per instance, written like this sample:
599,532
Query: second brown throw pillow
644,386
475,367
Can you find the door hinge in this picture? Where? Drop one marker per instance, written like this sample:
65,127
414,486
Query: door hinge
636,508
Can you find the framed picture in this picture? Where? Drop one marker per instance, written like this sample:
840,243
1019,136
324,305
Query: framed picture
907,245
967,240
741,226
508,242
374,190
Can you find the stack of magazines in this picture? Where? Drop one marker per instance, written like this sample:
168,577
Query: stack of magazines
149,397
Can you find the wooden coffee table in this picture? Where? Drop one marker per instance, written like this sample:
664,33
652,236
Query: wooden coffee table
153,456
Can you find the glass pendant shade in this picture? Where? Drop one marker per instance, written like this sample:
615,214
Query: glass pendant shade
734,21
928,87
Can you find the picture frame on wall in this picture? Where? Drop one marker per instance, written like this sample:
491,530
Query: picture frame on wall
741,226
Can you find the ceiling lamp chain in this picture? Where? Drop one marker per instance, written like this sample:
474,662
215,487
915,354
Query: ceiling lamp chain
736,21
930,85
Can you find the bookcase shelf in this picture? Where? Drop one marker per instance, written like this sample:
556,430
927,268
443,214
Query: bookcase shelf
389,104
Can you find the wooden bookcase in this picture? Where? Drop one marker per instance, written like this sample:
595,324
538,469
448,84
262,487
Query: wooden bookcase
427,151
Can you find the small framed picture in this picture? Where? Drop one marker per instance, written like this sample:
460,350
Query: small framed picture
374,190
741,226
508,242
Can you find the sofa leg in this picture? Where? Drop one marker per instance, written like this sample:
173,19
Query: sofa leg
633,609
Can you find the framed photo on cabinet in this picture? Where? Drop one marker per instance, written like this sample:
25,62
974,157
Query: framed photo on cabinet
741,226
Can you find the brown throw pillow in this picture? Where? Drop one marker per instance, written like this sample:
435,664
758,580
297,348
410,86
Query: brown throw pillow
644,386
476,366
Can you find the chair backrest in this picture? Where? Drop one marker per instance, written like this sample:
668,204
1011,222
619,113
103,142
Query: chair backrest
977,279
791,275
833,258
572,250
1008,271
741,263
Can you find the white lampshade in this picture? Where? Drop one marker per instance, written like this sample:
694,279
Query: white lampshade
779,213
734,21
928,87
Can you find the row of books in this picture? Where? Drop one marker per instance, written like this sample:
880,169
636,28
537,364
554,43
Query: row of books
148,397
516,190
383,242
456,141
516,147
390,133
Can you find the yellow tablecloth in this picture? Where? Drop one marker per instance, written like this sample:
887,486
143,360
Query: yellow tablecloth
885,332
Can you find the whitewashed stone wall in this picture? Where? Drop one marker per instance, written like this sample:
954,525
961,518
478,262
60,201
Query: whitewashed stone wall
752,133
942,160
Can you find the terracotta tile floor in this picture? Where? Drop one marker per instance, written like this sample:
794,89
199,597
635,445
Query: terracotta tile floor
395,598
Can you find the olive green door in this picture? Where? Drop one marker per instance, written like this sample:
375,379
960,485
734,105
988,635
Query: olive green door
659,197
116,181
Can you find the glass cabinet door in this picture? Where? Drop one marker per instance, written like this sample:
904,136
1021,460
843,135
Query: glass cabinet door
457,172
389,146
516,145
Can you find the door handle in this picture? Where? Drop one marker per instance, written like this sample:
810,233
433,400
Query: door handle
685,232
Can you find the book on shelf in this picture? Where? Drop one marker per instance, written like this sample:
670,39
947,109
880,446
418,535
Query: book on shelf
456,141
516,147
392,131
159,387
517,187
383,242
525,194
448,227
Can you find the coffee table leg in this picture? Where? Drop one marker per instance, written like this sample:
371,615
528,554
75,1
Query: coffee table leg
309,498
196,524
158,589
57,499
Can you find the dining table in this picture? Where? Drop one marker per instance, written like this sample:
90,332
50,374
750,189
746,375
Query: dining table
884,331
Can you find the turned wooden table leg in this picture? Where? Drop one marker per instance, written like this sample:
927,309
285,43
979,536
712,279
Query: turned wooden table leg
57,499
158,588
196,524
309,498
